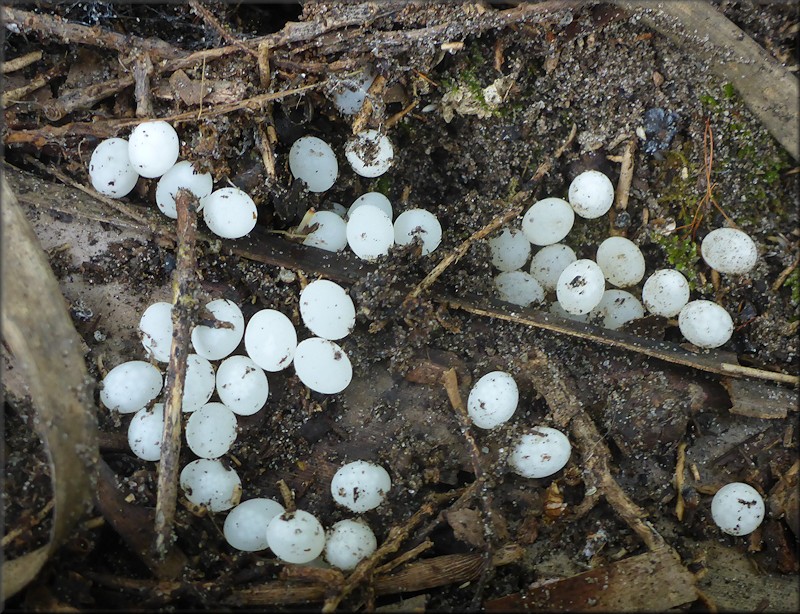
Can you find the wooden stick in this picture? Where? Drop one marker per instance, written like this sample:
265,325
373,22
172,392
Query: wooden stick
21,62
184,311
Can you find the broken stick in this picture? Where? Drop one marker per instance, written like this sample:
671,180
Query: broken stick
184,311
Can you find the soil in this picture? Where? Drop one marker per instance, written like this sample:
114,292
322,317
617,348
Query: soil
463,158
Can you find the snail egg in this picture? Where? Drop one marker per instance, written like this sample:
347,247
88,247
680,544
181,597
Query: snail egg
617,308
549,262
327,310
370,233
211,484
375,199
242,385
153,148
370,153
110,169
296,537
217,343
199,384
211,430
245,527
330,233
548,221
360,486
510,249
348,543
622,261
737,509
349,93
130,386
519,288
229,213
665,292
493,400
312,160
156,328
418,223
705,324
729,250
145,432
540,453
322,365
182,175
270,340
591,194
580,286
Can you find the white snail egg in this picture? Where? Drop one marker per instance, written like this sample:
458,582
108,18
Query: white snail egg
591,194
153,148
370,153
211,484
510,249
705,324
622,261
145,432
229,213
540,453
737,509
322,365
519,288
327,310
548,221
296,537
360,486
156,328
217,343
182,175
370,233
110,169
418,223
330,232
493,400
312,160
199,384
242,385
245,527
211,430
549,262
130,386
729,250
348,543
270,340
617,308
373,198
580,286
665,292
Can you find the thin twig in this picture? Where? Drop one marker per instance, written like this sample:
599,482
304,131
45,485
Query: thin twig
21,62
184,310
142,70
17,94
206,15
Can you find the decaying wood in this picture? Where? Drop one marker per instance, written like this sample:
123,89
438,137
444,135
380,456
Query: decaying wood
767,88
759,400
21,62
184,313
651,582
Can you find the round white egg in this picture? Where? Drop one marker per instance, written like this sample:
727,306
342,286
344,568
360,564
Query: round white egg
327,310
242,385
376,199
540,453
296,537
312,160
622,261
370,233
217,343
510,249
591,194
556,309
270,340
418,223
245,527
519,288
130,386
156,328
580,286
737,509
350,92
665,292
153,148
617,308
348,543
548,221
182,175
549,262
145,432
211,430
199,383
369,153
209,483
322,365
360,486
330,232
229,213
110,169
729,250
705,324
493,400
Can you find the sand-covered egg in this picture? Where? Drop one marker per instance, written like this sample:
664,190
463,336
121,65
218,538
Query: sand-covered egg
145,432
296,537
493,400
580,286
360,486
348,543
665,292
591,194
729,250
211,484
540,453
622,261
369,153
510,249
705,324
519,288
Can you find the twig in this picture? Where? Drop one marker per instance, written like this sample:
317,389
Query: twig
680,504
211,19
784,275
21,62
184,309
142,70
623,191
32,522
404,558
56,27
85,97
450,382
462,249
368,107
17,94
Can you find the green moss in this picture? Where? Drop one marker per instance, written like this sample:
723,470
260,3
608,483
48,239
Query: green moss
729,91
383,184
682,254
793,283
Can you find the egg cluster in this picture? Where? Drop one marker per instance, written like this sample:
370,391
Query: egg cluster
580,285
242,388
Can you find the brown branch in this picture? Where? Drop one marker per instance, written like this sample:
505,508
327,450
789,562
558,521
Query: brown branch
21,62
85,97
142,70
184,310
206,15
17,94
